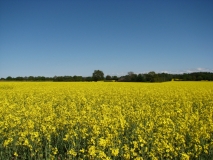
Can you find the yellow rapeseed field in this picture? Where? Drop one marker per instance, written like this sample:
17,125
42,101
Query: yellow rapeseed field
106,120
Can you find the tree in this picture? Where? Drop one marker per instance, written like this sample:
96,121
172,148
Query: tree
129,77
140,78
200,78
30,78
88,79
130,73
98,75
114,78
108,77
151,76
19,78
9,78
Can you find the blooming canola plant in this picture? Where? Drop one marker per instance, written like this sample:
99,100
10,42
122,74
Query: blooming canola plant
106,120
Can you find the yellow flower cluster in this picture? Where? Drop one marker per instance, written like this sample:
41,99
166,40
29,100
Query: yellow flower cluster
107,120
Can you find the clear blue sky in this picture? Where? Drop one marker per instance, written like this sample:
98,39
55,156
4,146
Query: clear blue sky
76,37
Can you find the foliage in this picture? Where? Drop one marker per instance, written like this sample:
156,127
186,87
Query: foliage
163,77
98,75
130,77
108,77
106,120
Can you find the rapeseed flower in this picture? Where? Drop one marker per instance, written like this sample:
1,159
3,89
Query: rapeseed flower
106,120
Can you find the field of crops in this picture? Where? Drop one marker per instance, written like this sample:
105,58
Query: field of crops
106,120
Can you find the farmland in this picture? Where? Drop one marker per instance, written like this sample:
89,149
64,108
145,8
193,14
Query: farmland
106,120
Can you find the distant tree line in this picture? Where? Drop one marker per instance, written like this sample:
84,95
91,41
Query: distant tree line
130,77
146,77
55,78
163,77
196,76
